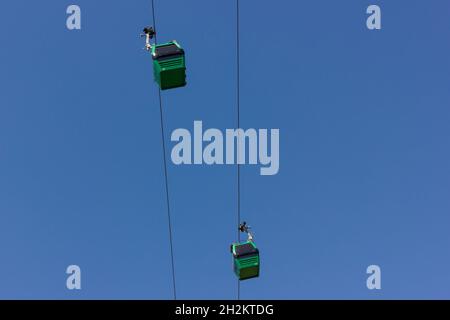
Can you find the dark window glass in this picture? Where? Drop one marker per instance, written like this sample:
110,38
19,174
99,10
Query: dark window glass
168,50
245,249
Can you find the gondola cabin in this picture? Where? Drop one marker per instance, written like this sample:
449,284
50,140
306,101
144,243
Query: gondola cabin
169,67
245,260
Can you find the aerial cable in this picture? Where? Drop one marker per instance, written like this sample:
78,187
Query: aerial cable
246,258
169,221
238,127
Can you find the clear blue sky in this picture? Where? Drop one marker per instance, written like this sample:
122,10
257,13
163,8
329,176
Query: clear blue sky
364,136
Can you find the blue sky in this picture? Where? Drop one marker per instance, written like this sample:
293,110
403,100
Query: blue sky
364,150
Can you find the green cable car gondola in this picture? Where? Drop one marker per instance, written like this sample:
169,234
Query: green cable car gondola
169,68
245,256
